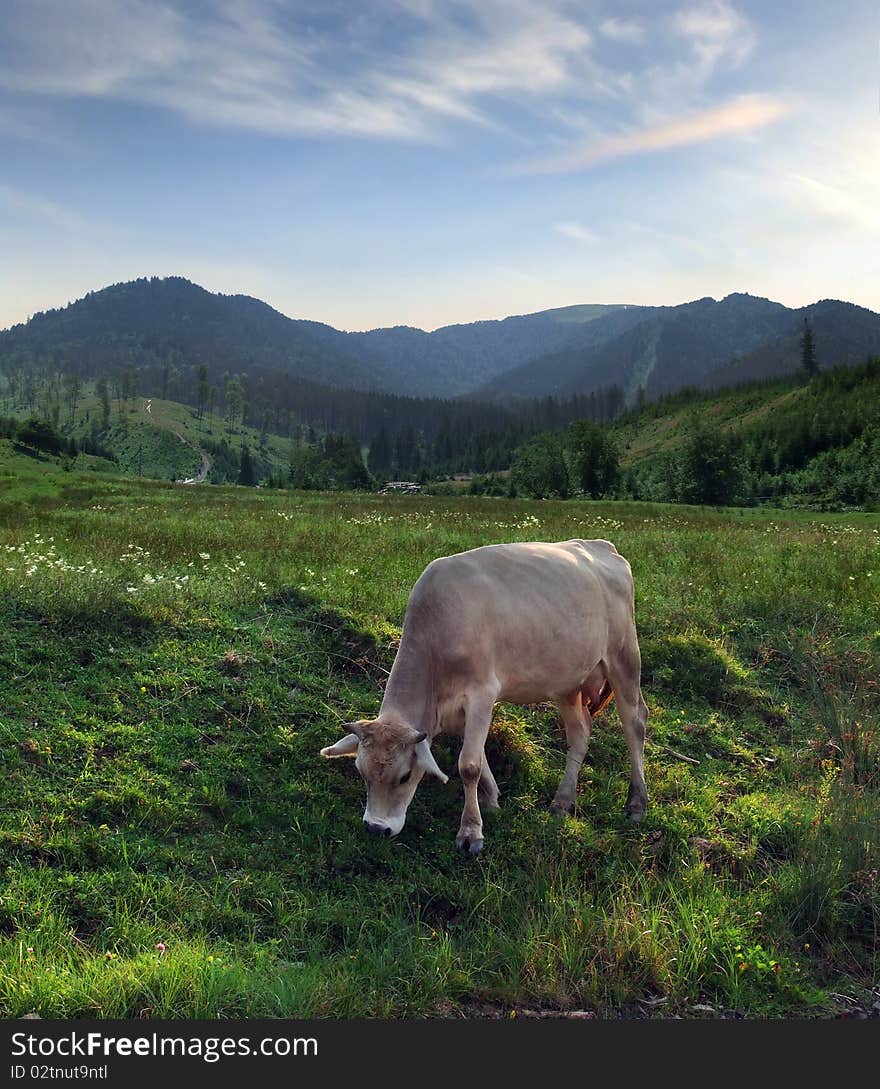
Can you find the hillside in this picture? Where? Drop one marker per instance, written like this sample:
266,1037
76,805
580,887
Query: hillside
663,427
170,341
659,350
172,323
154,436
781,441
149,438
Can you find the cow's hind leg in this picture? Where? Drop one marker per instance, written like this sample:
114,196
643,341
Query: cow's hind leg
578,724
471,761
624,672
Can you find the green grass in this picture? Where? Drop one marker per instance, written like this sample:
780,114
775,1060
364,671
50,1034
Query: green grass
174,658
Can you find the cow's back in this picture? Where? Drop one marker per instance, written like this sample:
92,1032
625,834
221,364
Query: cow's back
536,616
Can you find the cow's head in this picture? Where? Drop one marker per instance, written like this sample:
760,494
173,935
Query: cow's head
392,758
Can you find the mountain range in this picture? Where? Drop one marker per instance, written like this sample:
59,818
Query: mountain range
705,343
559,352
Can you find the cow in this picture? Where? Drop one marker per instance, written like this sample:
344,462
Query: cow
519,623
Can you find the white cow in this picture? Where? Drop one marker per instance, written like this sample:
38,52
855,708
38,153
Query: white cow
522,623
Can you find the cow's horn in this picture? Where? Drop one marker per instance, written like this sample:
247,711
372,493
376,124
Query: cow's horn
428,763
345,746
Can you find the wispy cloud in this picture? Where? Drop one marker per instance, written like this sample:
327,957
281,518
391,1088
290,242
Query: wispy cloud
716,32
396,69
623,30
691,48
34,126
18,205
742,114
571,228
293,68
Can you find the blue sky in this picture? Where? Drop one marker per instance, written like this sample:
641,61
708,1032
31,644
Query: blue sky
424,162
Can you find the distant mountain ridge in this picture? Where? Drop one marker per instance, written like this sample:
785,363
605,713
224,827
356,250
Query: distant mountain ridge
183,319
233,332
559,352
843,333
705,343
451,360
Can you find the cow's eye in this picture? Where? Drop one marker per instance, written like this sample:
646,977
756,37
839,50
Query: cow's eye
405,778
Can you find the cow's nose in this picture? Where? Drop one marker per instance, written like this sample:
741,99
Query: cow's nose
378,829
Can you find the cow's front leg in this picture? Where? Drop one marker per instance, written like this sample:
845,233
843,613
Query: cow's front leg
471,760
487,788
578,725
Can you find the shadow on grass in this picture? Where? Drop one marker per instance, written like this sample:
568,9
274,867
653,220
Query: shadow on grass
701,670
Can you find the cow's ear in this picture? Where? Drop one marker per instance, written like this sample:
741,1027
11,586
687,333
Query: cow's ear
427,762
345,746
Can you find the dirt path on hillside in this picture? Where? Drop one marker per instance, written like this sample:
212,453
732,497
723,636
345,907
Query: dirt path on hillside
205,466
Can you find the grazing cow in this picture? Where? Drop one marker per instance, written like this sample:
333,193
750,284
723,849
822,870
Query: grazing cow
522,623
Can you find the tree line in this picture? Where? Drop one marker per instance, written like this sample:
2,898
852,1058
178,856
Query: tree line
41,435
416,437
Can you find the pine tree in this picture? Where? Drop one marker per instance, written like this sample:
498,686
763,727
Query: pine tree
72,390
104,397
129,386
246,474
234,402
201,389
166,372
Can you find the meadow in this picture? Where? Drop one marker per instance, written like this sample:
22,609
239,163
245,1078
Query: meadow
173,658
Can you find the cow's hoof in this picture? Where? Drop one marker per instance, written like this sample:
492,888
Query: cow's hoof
561,808
636,803
471,845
